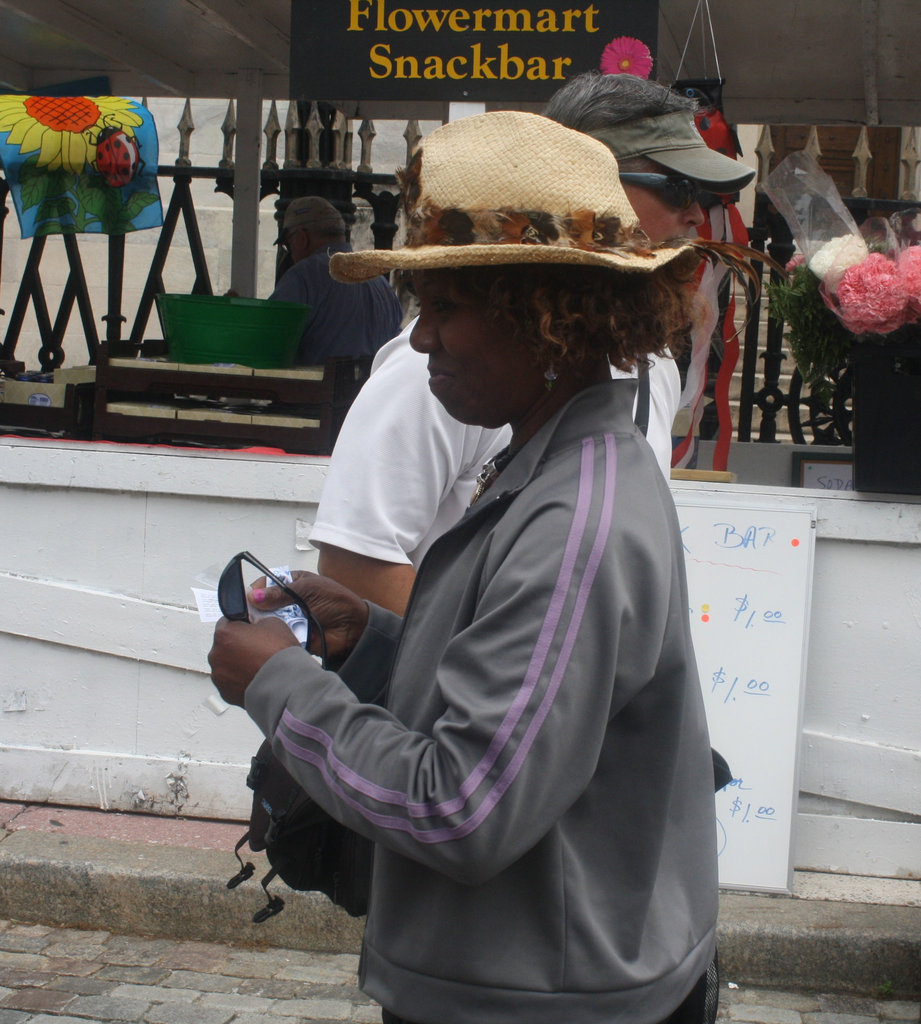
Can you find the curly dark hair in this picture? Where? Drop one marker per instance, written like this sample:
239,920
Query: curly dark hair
577,314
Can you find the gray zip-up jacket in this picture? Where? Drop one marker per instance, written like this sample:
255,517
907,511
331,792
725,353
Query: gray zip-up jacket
540,783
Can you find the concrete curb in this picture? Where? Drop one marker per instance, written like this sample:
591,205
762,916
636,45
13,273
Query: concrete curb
160,891
181,893
819,945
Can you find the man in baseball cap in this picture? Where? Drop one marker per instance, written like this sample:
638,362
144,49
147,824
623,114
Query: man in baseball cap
669,173
343,321
311,213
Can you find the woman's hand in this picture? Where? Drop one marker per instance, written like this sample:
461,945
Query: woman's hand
342,613
240,649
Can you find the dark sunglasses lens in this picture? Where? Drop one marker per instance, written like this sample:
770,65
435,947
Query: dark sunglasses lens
231,594
680,192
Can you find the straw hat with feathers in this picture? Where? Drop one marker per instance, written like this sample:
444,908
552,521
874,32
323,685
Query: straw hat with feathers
513,187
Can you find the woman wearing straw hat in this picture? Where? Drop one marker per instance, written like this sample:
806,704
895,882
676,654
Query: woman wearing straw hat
539,783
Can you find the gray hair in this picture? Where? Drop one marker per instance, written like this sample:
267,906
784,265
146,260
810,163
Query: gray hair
593,101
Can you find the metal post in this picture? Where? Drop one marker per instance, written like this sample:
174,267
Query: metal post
247,170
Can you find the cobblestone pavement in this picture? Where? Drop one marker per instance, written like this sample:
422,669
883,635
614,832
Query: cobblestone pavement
65,976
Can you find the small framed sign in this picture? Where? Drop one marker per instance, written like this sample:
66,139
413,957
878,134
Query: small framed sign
823,472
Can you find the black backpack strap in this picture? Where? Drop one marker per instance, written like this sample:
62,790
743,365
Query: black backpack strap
247,869
641,419
275,905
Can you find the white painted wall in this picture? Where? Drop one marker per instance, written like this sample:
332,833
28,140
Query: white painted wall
105,698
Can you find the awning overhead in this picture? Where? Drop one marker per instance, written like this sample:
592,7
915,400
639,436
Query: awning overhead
803,61
806,61
145,47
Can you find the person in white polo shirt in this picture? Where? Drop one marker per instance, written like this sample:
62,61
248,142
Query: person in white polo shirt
403,470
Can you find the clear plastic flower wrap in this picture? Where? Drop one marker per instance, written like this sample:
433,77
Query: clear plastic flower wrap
869,277
809,202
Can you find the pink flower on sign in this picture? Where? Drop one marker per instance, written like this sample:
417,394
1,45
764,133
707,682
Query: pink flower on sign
871,296
626,56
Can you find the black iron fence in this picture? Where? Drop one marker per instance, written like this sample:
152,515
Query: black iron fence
318,160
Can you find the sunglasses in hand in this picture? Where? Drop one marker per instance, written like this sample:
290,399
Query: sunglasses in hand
231,590
231,596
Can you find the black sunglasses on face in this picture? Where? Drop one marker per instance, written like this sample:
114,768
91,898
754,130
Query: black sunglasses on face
679,193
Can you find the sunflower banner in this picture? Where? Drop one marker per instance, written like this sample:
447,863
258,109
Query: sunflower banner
80,164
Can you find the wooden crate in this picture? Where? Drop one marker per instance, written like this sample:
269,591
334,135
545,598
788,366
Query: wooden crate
140,396
62,407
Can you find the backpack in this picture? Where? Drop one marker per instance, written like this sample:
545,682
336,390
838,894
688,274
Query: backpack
306,848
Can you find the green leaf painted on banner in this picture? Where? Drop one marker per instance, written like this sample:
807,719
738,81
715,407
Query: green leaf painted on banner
137,202
38,184
56,208
91,192
119,215
114,207
60,182
33,183
54,227
85,198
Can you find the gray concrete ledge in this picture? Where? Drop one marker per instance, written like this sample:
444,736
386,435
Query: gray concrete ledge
820,945
161,891
181,893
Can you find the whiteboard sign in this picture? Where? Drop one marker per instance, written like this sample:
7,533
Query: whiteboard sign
749,571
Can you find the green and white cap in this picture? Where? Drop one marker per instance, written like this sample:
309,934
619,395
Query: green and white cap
673,141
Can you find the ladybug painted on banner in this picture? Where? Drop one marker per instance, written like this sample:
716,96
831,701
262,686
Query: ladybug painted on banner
118,158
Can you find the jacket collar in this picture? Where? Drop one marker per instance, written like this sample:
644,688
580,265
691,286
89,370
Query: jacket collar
602,408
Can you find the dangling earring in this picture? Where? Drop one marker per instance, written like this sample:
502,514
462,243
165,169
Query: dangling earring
550,376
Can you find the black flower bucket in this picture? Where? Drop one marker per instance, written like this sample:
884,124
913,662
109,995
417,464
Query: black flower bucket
887,412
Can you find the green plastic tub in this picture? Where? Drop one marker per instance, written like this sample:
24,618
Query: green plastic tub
226,329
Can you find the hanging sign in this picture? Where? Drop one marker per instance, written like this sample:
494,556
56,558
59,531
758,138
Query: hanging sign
352,50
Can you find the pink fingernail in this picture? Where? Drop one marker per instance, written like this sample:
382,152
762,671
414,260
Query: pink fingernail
258,595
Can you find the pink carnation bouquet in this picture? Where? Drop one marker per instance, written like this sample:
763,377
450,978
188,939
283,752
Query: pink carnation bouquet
874,286
872,296
869,277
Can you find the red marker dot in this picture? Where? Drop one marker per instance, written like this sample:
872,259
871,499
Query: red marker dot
795,542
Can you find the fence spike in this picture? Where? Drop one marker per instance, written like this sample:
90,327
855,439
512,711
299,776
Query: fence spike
812,146
229,130
862,156
338,129
313,128
413,136
764,151
271,131
909,159
186,126
366,133
292,134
